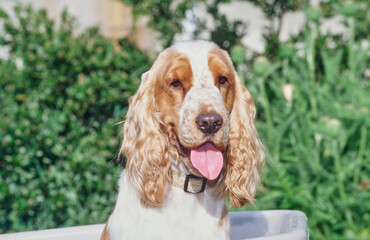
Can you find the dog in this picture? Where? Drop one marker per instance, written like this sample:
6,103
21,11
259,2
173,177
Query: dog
190,142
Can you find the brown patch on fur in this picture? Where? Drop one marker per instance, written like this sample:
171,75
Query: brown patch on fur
105,234
169,100
220,65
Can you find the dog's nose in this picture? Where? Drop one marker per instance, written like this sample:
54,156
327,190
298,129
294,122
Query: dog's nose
209,122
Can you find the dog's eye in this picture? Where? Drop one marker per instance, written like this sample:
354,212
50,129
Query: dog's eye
176,84
222,80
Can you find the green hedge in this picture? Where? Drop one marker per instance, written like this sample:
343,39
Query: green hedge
318,141
61,97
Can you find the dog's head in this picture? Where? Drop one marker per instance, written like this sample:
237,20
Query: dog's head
191,107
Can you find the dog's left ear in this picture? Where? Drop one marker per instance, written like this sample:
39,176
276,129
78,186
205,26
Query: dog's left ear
245,155
145,146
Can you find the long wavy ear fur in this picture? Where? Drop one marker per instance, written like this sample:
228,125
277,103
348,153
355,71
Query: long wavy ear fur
145,146
245,155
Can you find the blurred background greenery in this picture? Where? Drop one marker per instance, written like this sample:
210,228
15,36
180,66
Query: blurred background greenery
63,91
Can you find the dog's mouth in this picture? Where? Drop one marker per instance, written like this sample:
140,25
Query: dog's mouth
180,148
206,158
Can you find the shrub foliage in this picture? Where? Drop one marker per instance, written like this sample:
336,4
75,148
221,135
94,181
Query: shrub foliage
61,97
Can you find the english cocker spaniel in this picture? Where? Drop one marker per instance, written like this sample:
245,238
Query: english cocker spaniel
190,141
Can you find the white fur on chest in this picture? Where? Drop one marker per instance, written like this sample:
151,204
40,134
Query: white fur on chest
182,216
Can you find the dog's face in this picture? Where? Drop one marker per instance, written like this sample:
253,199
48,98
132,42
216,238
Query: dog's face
194,95
192,107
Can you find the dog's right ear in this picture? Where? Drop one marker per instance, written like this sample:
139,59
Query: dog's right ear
246,153
145,146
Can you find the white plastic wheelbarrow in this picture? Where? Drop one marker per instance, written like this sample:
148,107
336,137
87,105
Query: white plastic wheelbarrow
261,225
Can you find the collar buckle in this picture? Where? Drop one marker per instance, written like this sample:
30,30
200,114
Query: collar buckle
190,176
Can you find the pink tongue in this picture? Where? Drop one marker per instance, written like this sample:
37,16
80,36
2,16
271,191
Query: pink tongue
208,160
